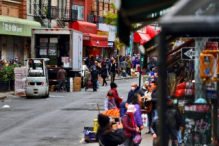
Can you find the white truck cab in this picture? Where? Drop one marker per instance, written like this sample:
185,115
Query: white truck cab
37,84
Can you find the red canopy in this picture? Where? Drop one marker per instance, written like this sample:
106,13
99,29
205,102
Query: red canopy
95,40
141,38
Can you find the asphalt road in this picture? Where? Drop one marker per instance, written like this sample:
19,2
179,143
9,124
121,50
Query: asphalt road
55,121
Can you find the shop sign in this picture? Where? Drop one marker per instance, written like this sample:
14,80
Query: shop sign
66,61
110,44
12,27
104,33
110,29
52,52
86,38
188,53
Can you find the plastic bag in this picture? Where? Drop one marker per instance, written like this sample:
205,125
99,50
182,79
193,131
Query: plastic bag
145,120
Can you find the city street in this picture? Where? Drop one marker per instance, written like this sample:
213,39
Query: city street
56,121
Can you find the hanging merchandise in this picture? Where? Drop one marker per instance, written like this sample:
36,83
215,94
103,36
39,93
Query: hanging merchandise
184,92
186,85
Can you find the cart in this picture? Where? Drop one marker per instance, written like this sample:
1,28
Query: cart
88,84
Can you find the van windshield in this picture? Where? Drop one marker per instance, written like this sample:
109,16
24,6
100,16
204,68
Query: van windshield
35,68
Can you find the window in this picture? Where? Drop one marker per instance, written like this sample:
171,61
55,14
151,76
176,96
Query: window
80,10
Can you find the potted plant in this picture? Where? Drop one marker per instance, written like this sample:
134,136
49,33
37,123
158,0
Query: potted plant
7,78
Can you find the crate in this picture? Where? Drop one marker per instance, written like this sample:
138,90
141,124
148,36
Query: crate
89,134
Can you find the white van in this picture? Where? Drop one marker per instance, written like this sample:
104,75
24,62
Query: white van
37,84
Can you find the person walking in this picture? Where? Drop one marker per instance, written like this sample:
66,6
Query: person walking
136,100
113,70
61,75
124,65
94,77
110,102
129,66
113,89
174,121
103,73
106,136
129,126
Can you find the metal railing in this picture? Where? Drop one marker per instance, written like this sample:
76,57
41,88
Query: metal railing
55,13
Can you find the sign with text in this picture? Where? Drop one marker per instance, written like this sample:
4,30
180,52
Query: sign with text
188,53
197,125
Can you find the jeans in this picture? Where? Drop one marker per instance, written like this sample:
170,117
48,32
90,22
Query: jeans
128,71
113,77
61,84
154,113
104,81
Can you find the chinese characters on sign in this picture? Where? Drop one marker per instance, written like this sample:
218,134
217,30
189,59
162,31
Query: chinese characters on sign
12,27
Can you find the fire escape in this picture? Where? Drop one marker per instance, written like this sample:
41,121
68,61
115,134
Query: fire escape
63,15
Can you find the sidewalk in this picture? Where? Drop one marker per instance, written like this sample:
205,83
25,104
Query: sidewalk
146,139
121,78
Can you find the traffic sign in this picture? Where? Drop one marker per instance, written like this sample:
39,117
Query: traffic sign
188,53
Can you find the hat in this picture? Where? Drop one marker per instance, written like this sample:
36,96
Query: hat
131,109
103,120
113,85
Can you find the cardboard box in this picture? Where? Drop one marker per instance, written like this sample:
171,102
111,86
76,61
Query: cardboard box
76,87
77,80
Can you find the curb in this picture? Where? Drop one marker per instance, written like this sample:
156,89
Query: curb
122,78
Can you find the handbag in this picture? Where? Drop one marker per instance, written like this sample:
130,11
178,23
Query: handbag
137,139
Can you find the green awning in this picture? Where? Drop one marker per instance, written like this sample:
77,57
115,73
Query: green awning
139,11
17,26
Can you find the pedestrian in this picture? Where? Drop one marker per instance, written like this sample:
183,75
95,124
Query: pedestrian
94,77
129,66
110,102
136,100
174,121
135,62
154,131
106,136
124,64
129,126
134,89
118,99
103,73
113,70
61,75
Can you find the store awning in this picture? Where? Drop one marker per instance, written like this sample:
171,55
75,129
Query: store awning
17,26
141,38
95,40
85,27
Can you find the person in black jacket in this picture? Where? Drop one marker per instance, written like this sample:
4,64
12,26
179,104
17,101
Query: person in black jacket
174,120
103,73
106,136
94,77
134,89
156,135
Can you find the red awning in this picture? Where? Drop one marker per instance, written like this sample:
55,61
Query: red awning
85,27
95,40
141,38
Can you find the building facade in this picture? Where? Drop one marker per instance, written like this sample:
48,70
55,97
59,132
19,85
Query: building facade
15,30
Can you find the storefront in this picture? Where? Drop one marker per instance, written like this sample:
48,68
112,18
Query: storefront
93,43
111,34
15,38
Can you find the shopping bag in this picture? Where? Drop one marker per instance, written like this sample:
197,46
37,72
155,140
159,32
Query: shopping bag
137,139
145,120
98,83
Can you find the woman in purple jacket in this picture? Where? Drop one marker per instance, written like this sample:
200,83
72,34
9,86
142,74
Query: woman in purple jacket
136,100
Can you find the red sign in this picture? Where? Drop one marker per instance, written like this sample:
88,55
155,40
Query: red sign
212,46
85,27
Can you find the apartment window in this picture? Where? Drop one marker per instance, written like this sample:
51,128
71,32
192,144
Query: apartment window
80,10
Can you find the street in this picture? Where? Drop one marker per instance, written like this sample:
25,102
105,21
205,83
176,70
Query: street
56,121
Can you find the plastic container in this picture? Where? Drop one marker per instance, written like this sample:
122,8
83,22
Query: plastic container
95,124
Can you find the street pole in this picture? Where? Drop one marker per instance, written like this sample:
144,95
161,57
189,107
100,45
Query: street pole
141,61
49,13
